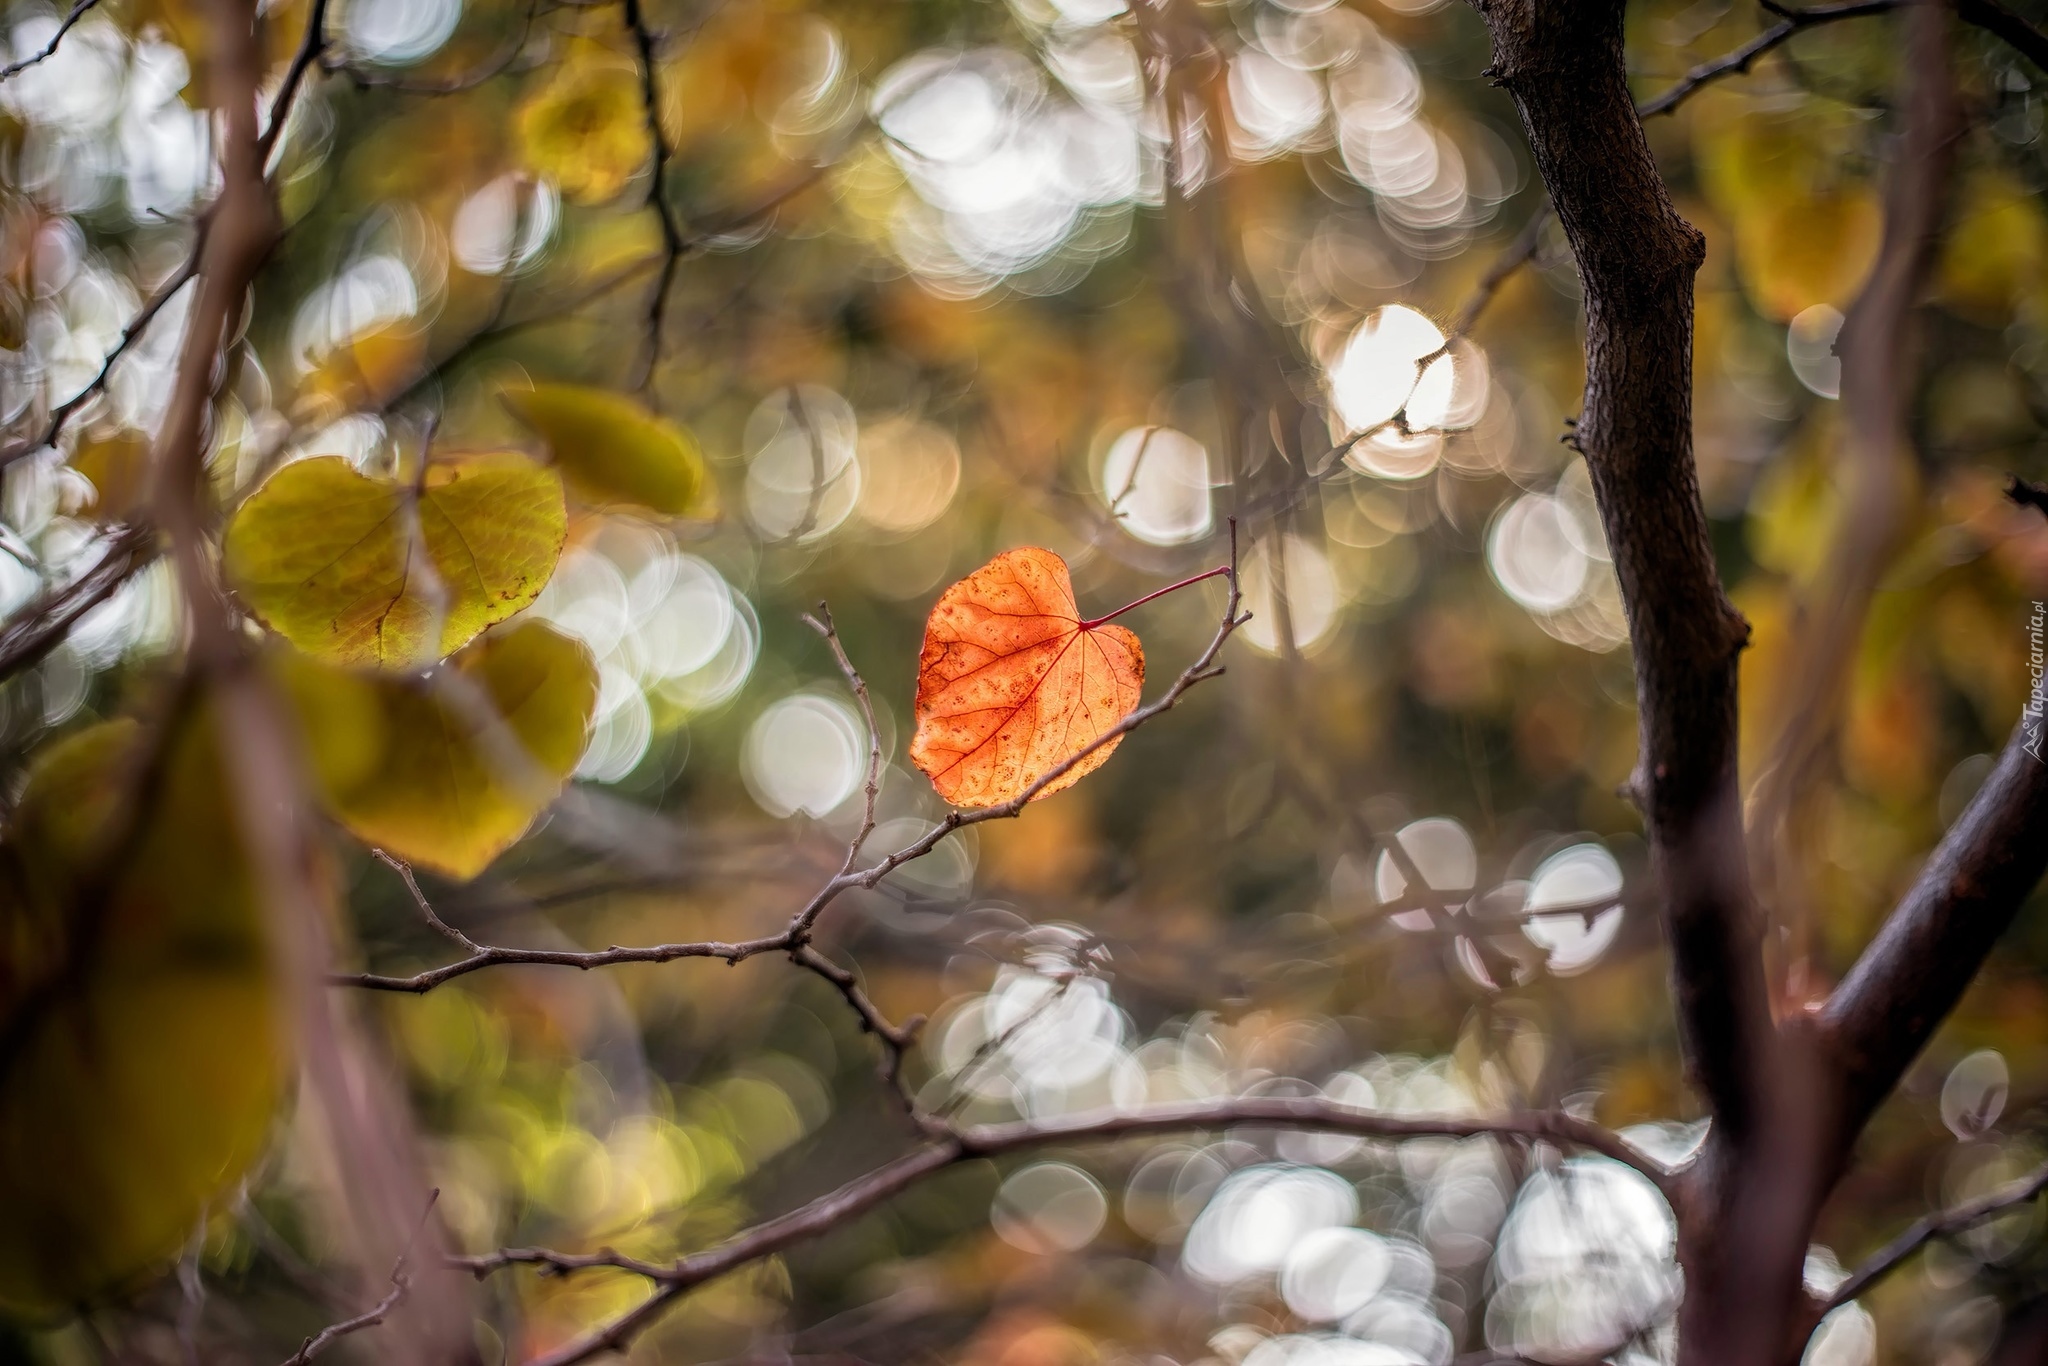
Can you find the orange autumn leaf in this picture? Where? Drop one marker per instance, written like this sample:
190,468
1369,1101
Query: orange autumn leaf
1012,682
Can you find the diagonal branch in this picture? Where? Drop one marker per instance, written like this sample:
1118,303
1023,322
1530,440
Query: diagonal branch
856,1197
42,625
1995,19
49,49
1915,970
401,1285
1946,1223
1738,62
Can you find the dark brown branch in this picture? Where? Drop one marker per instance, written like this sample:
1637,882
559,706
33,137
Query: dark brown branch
1942,1225
1738,62
1915,970
41,626
130,334
896,1040
311,45
673,243
49,50
2028,494
1563,66
864,1193
2002,23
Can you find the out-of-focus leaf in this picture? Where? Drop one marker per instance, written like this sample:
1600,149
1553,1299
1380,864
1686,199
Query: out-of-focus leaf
1996,251
450,769
118,467
612,450
366,371
140,1058
330,561
1806,232
1011,682
585,129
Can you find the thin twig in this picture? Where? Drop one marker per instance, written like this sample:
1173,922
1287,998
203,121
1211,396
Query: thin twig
1791,21
864,1193
311,45
42,625
419,899
401,1284
50,48
1889,1257
850,877
673,243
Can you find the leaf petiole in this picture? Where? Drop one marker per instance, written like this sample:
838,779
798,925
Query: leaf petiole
1156,593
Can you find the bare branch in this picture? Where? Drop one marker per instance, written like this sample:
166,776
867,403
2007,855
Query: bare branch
1952,1221
673,243
41,626
896,1040
311,45
2028,494
64,26
419,898
1738,62
851,877
130,334
1637,258
1995,19
1914,971
864,1193
401,1284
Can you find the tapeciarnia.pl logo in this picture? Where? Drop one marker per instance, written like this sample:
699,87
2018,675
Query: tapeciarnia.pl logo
2036,670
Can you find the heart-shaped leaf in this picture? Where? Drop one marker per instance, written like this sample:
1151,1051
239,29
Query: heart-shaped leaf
1012,682
336,563
612,450
449,769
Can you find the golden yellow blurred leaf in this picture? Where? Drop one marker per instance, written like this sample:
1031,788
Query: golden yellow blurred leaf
585,128
452,768
331,560
118,467
366,371
1995,251
612,450
140,1053
1805,231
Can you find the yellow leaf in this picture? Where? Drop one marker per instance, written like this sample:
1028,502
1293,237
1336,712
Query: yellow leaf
1806,228
1794,253
118,468
1996,250
612,450
331,561
457,764
366,371
585,128
140,1055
